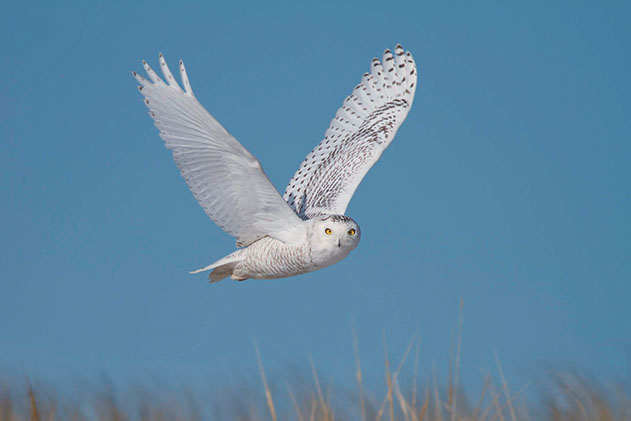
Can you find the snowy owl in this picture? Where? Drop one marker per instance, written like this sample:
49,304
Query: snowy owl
305,229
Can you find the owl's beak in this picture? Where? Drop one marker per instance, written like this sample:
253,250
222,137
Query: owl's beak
339,242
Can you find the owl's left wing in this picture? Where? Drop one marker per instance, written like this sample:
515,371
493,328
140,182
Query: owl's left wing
359,133
226,179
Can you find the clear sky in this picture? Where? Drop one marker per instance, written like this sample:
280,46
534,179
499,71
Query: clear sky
509,185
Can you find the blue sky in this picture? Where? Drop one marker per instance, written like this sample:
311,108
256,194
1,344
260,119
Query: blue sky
508,185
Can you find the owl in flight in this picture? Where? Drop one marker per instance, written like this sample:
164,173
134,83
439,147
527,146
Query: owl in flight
305,229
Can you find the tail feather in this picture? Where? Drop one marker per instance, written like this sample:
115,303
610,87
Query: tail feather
221,272
209,267
222,267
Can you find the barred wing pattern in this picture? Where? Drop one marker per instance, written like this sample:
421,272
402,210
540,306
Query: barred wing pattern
359,133
226,179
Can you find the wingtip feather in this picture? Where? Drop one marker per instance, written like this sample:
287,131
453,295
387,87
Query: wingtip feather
152,75
185,81
167,72
139,78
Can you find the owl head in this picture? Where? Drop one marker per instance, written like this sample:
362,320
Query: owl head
332,238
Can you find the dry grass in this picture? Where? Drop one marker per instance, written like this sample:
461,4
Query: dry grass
566,396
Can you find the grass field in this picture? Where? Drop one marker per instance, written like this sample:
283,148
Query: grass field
566,395
570,396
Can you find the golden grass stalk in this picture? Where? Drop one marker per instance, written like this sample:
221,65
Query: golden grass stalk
505,386
268,393
388,377
326,413
294,403
456,377
358,373
32,401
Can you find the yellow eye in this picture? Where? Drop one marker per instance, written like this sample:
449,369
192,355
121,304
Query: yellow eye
328,231
351,231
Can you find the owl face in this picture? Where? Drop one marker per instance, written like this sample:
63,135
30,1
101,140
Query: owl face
332,238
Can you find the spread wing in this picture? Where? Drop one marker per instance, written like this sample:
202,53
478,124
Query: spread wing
362,129
226,179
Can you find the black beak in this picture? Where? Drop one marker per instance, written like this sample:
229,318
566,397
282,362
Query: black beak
339,243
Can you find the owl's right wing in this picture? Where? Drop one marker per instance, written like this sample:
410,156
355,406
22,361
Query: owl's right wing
226,179
361,130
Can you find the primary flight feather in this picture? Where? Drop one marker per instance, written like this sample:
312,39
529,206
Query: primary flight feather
305,229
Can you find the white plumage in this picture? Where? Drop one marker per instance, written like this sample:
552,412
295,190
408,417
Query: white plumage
307,230
361,130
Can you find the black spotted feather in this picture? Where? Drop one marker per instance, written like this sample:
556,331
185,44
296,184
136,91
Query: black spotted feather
363,127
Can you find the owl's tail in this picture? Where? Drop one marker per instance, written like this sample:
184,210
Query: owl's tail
223,267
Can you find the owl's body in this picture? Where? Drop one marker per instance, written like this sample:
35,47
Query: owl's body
269,258
306,229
